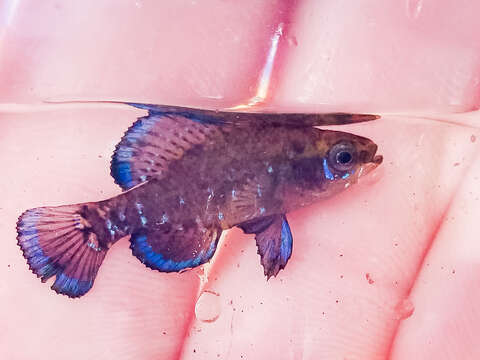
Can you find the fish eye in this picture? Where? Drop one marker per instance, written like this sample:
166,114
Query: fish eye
342,156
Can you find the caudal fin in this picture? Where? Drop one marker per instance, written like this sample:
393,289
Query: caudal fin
58,241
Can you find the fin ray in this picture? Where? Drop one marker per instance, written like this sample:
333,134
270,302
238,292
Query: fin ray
176,250
54,245
223,117
274,241
151,143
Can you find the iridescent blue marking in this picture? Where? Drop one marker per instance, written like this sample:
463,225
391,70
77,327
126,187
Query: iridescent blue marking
121,168
157,261
93,246
181,201
326,170
122,173
109,227
210,250
164,219
220,216
270,169
143,218
346,175
234,194
262,210
121,216
32,250
210,194
71,286
286,242
41,264
259,190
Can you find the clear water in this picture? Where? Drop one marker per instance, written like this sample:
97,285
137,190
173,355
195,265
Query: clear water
388,269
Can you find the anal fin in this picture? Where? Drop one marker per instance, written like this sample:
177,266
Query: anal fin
175,247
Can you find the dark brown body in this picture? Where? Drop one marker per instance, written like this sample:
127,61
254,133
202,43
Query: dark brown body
189,174
240,174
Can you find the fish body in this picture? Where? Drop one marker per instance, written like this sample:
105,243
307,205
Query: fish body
189,174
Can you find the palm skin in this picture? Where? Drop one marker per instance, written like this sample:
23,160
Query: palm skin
387,269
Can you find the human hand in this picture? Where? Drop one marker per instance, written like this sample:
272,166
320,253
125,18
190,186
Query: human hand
385,270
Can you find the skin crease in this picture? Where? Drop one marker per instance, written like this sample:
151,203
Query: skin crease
408,231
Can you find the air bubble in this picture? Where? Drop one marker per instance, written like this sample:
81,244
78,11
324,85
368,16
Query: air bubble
404,309
207,308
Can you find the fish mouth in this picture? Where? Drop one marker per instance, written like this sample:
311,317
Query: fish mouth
371,165
377,159
369,159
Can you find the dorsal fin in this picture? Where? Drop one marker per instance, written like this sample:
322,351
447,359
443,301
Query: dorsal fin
220,117
151,143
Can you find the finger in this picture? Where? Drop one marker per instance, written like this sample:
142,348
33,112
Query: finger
57,159
170,53
445,295
355,257
145,54
390,56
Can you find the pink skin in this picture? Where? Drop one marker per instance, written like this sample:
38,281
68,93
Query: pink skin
388,269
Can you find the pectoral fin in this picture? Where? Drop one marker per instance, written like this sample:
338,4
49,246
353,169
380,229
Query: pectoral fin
274,241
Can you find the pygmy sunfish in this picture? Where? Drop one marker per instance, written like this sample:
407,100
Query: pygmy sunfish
189,174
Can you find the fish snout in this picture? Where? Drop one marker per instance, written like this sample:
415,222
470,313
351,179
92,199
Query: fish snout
369,159
368,155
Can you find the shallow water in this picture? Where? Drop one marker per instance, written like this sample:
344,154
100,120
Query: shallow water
356,256
389,269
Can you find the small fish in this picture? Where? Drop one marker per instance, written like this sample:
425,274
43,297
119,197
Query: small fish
187,175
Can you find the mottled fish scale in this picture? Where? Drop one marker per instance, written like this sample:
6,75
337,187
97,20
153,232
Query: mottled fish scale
188,174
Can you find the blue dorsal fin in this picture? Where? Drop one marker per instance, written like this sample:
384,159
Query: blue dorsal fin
151,143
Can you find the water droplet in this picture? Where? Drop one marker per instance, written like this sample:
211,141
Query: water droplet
404,309
207,308
369,278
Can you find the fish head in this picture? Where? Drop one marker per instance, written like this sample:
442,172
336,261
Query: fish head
345,159
328,163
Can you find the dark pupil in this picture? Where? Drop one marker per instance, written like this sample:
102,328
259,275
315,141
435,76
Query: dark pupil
344,157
